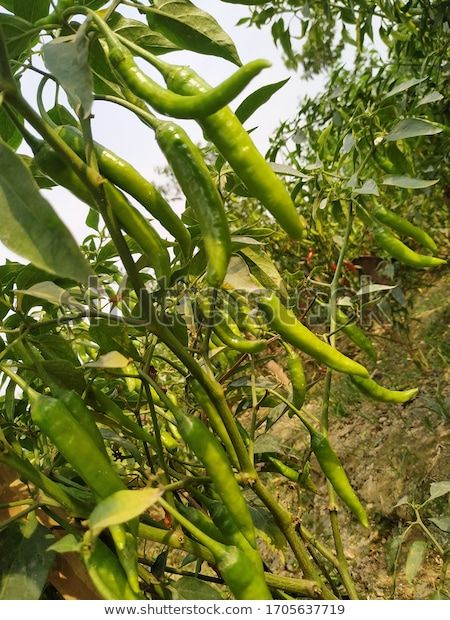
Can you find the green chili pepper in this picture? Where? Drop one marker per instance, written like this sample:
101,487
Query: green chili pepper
171,104
75,444
283,469
202,521
356,335
130,219
404,227
193,176
236,146
209,451
229,336
106,573
122,174
77,407
371,388
333,470
238,343
80,450
208,408
397,249
292,331
298,380
238,572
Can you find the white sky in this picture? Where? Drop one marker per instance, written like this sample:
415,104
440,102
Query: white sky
120,131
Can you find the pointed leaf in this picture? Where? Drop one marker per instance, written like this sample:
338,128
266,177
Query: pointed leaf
8,131
24,561
411,128
31,9
409,182
121,507
141,34
399,88
368,188
29,225
52,293
437,489
443,523
113,359
257,99
192,589
68,544
67,59
431,97
191,28
239,277
414,560
19,35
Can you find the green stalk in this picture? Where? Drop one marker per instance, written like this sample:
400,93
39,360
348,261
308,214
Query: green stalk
344,570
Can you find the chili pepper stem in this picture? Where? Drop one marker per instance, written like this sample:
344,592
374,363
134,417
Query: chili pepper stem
333,506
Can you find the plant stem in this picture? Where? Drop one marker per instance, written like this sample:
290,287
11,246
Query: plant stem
333,506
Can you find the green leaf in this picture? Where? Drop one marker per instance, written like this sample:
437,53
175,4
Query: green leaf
121,507
257,99
438,489
67,544
24,561
65,374
19,35
412,128
61,116
238,277
266,527
30,227
392,552
369,187
67,59
142,35
192,589
43,181
443,523
31,9
404,86
431,97
8,131
283,169
190,28
414,560
263,269
409,182
49,291
113,359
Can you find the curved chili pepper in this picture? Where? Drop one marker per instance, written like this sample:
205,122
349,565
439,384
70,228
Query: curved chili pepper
335,473
296,374
80,450
236,146
397,249
122,174
356,335
371,388
169,103
106,573
209,451
193,176
404,227
284,322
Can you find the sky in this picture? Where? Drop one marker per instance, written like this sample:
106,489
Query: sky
121,132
